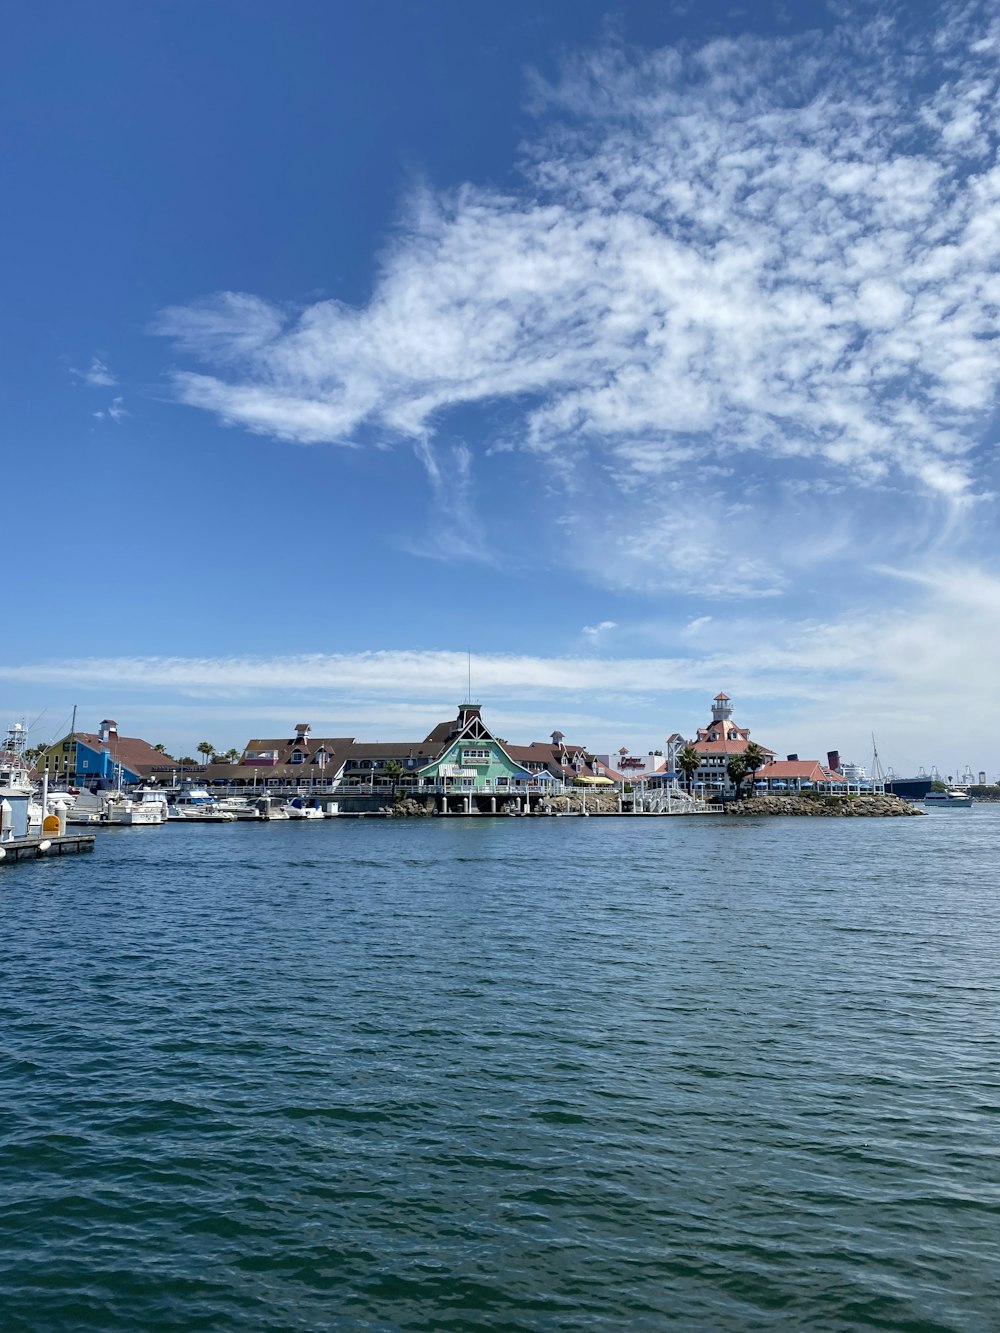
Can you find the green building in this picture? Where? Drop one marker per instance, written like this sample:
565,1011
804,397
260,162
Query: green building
475,765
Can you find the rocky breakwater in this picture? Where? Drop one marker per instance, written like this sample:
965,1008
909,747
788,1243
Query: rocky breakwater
837,807
406,807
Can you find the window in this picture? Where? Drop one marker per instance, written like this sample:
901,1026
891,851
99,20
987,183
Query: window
295,757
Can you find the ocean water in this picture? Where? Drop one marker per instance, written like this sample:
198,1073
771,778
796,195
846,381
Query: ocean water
501,1074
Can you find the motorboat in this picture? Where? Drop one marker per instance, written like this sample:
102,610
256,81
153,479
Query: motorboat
200,816
296,810
239,806
146,805
954,798
87,808
196,805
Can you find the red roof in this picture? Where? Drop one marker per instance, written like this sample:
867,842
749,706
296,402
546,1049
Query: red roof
734,746
722,696
131,751
805,770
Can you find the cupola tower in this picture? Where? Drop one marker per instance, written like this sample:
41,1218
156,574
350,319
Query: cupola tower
722,708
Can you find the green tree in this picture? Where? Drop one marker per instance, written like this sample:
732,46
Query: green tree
688,762
160,748
233,755
186,759
736,771
754,758
207,749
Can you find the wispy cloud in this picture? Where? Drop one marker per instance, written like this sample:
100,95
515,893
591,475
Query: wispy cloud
595,632
97,375
115,411
762,272
917,676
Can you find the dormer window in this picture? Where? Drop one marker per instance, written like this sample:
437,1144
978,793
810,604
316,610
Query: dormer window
296,757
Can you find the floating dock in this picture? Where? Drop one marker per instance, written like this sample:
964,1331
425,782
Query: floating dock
29,849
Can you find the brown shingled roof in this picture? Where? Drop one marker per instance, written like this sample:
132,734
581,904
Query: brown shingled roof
131,752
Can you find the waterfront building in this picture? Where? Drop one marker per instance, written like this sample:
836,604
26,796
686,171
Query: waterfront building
474,762
562,761
716,743
88,759
457,758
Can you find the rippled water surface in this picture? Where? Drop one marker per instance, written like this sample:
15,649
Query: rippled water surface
505,1074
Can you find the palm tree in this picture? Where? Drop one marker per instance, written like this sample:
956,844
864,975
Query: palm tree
160,748
207,749
754,758
688,761
232,754
736,771
394,770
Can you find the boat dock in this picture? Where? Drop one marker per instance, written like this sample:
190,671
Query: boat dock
29,849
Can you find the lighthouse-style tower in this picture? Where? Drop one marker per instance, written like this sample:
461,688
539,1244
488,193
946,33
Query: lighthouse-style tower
722,708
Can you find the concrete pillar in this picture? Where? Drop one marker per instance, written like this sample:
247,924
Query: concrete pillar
493,805
444,804
468,805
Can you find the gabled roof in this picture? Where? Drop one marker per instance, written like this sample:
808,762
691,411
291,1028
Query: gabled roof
335,748
545,752
284,746
131,752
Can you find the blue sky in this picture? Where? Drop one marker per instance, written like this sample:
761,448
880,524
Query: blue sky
642,350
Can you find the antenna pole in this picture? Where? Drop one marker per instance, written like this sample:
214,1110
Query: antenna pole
469,695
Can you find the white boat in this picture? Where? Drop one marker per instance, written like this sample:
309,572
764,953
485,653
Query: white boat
146,805
202,816
293,811
955,798
239,806
87,808
197,805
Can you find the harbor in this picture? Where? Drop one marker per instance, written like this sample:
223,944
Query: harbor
57,796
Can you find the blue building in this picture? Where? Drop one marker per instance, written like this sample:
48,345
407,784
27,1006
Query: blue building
89,759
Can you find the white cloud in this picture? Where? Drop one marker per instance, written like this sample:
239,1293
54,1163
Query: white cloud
97,375
114,412
772,259
595,632
917,677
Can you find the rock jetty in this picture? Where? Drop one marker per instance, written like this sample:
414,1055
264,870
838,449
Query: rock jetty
407,808
879,807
